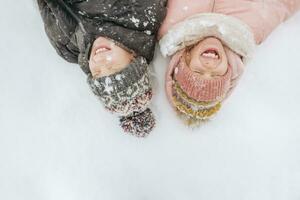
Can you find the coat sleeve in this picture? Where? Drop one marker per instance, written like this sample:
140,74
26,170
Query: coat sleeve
262,16
60,27
274,12
292,6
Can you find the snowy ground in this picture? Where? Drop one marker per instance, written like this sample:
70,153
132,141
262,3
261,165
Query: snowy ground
57,143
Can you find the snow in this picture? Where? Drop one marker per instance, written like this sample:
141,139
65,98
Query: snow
185,8
108,86
119,77
135,21
109,58
58,143
145,23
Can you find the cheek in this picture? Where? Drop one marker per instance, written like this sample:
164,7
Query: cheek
112,58
222,69
123,58
194,64
94,68
92,64
100,67
120,53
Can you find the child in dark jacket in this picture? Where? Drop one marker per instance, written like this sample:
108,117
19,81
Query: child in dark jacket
113,42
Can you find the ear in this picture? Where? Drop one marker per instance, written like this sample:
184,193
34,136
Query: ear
169,75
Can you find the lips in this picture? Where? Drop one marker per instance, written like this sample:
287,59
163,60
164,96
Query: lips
102,53
211,53
102,49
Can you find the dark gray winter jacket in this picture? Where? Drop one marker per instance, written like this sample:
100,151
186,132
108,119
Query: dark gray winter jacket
73,25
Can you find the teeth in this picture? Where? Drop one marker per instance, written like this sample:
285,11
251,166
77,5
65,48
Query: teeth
210,55
101,50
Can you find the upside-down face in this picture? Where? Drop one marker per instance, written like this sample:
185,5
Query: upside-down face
208,58
201,79
107,58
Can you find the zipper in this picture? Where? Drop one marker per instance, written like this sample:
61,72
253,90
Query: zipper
213,6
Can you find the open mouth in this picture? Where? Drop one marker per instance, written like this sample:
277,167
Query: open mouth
102,50
211,53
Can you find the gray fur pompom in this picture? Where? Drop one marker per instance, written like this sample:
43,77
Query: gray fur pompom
138,124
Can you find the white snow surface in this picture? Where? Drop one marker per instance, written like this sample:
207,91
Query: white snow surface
58,143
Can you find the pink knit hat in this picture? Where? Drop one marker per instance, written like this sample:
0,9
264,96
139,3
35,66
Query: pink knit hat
197,99
199,89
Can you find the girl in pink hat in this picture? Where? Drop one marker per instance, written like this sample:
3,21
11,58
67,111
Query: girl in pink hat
209,42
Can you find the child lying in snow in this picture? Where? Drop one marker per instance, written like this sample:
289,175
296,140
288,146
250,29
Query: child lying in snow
113,42
209,42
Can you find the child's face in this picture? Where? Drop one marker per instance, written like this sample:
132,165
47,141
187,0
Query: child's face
208,58
107,58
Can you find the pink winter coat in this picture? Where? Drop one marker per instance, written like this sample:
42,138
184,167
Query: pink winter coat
262,16
256,17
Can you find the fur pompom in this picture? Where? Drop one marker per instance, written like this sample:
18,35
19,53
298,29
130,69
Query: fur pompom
138,124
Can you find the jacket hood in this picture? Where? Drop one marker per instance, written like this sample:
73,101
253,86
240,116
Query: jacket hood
234,33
